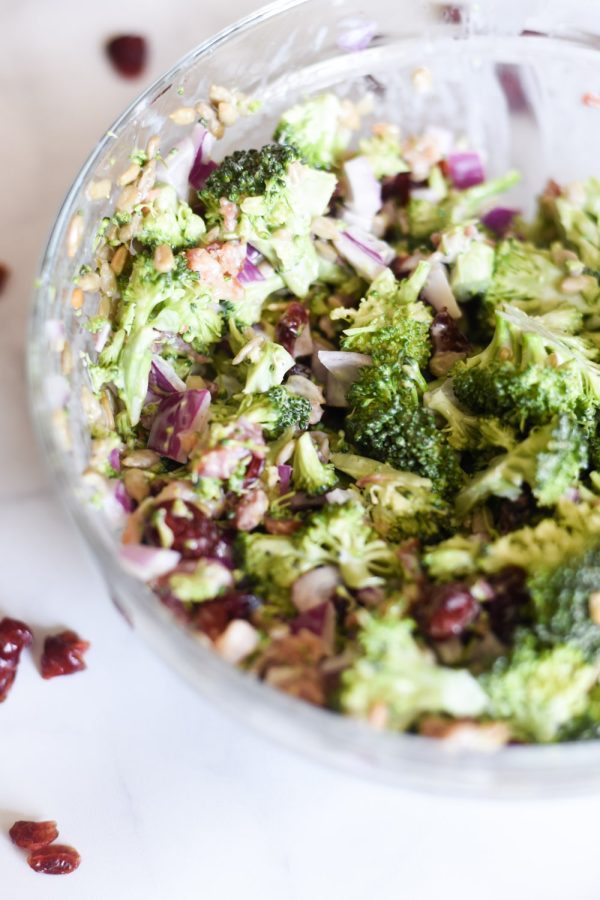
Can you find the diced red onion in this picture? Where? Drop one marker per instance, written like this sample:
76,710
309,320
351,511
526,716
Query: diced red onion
147,563
176,166
163,377
285,474
319,619
438,293
356,34
342,367
114,459
249,273
202,164
364,191
315,587
253,255
499,219
465,169
365,253
123,498
180,416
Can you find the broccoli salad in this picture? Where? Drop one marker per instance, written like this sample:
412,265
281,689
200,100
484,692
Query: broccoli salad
345,409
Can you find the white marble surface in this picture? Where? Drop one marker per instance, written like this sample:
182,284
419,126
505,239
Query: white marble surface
163,796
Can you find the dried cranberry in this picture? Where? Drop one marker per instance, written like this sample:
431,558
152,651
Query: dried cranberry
447,610
451,13
255,467
128,54
446,335
507,607
54,859
32,835
291,325
63,654
4,273
213,616
397,188
14,636
194,534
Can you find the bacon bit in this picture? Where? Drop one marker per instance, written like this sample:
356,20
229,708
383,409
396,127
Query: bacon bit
4,275
221,462
281,526
218,265
591,99
127,53
251,509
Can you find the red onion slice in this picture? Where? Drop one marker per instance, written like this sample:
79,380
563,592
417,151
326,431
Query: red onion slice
180,416
147,563
465,169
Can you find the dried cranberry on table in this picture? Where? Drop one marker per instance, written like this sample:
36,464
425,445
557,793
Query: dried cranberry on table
32,835
446,610
14,636
54,859
63,654
194,535
127,53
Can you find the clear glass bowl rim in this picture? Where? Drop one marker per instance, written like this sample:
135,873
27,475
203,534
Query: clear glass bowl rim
406,760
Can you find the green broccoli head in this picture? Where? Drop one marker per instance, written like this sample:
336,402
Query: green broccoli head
337,535
314,128
529,373
388,423
566,603
539,692
265,363
309,474
577,215
275,411
464,430
390,323
549,460
394,675
401,505
472,270
169,220
278,197
528,277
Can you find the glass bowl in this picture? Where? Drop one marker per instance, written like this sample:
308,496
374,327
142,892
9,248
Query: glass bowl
516,81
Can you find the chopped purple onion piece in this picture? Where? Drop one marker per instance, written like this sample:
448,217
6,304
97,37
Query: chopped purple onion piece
202,165
123,498
365,253
147,563
163,377
364,191
342,367
114,459
180,416
285,474
249,273
465,169
253,255
499,219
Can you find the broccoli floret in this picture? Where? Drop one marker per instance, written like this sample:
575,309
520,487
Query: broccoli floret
275,411
563,603
527,277
401,505
209,579
578,218
384,152
278,197
528,373
169,220
549,460
337,535
390,323
540,691
396,676
309,474
265,363
153,302
388,423
314,128
472,270
426,216
464,430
